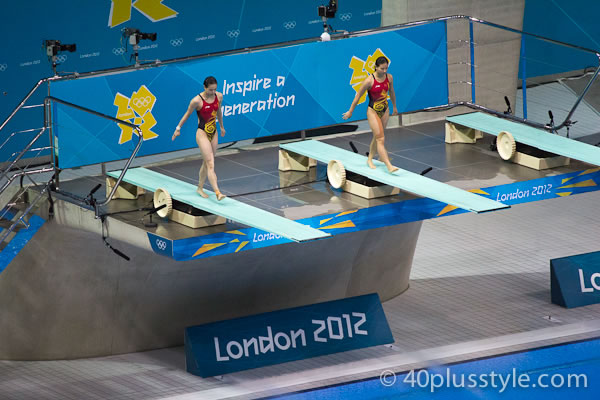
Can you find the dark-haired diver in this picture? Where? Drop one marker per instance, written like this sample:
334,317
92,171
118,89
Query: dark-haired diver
378,86
208,107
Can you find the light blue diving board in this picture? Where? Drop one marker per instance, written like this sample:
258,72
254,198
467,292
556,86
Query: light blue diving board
530,136
227,207
405,180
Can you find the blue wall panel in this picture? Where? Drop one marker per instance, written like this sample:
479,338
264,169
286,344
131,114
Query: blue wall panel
184,28
275,91
572,22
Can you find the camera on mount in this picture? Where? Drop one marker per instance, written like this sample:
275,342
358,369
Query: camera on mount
135,35
53,47
329,10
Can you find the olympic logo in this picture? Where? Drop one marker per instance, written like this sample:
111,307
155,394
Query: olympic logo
3,67
289,24
62,58
135,108
161,244
346,16
233,34
176,42
142,101
117,51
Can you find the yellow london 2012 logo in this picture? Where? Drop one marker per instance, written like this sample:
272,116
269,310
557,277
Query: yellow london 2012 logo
361,69
154,10
137,110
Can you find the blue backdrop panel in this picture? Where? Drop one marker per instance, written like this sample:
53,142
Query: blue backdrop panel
571,22
265,93
184,28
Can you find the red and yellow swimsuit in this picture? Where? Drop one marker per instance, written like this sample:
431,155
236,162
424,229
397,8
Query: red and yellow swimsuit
378,95
207,117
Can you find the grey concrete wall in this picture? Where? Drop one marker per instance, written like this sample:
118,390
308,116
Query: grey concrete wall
496,51
68,296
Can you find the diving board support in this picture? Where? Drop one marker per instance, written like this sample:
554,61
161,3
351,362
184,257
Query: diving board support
461,134
460,129
369,192
290,161
228,208
539,163
124,191
402,179
171,211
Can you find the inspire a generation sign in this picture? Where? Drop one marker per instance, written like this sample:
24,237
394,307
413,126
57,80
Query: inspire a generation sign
287,335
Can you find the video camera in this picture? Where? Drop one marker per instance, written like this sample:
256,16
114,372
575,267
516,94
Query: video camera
135,35
53,47
329,10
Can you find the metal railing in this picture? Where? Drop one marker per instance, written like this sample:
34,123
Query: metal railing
48,100
52,183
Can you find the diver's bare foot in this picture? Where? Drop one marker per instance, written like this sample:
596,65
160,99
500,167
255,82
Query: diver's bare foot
220,196
392,169
200,191
370,163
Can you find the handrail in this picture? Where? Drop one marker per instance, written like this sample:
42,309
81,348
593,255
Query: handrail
22,103
23,173
120,178
48,99
140,135
26,212
25,150
18,132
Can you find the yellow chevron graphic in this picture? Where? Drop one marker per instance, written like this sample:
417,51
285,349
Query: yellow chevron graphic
235,241
566,180
340,225
478,191
120,11
447,209
450,208
236,233
207,247
589,171
346,213
154,10
587,183
564,194
324,220
241,246
586,172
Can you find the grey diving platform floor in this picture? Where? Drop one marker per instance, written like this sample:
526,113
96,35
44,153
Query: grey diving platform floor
530,136
227,207
403,179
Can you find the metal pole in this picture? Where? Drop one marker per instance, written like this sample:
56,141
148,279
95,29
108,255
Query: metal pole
472,48
524,77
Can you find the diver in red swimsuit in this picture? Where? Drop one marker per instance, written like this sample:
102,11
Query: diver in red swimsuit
208,107
378,86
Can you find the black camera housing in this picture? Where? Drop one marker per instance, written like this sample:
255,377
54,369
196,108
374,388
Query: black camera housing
53,47
135,35
329,10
